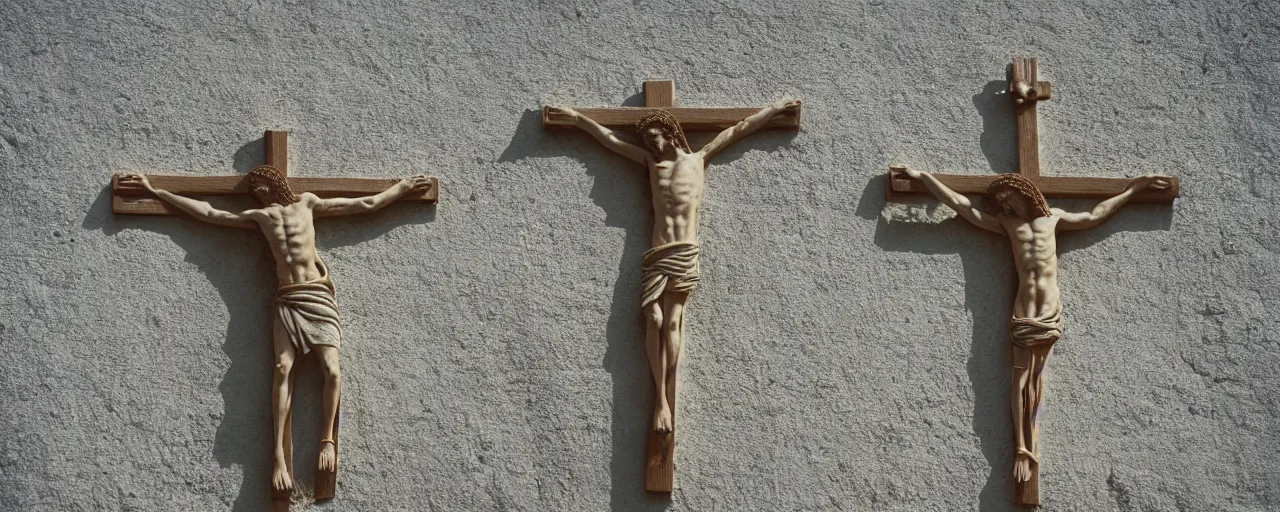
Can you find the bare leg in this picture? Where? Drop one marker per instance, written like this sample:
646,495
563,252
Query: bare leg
328,357
281,402
1019,404
673,330
1039,356
657,366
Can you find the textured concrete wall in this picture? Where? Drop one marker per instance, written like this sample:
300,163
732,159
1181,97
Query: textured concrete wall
841,355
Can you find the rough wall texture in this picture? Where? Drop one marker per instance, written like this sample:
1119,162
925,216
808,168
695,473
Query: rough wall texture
842,355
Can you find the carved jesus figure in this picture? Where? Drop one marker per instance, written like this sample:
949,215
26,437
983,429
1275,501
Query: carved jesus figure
677,175
1017,209
306,309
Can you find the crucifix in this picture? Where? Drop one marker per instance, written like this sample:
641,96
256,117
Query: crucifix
670,268
306,318
1015,206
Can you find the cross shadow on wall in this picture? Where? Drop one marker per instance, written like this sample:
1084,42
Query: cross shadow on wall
620,189
987,266
241,267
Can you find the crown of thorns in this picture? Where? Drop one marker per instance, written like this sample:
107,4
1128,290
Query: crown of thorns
280,191
1020,184
667,121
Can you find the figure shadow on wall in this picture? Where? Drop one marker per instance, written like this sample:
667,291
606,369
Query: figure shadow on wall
620,188
238,263
987,266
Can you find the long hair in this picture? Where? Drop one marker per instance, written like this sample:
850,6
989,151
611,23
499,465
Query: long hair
1021,185
666,121
279,191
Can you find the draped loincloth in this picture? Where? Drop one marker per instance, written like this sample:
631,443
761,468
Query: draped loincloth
1040,331
309,312
672,266
1029,334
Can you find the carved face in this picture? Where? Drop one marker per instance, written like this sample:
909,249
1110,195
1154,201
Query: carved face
1018,206
1013,195
260,190
268,186
660,133
656,138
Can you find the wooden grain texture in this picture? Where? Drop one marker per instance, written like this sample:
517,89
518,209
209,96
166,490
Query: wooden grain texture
899,184
1028,140
660,93
129,201
276,149
660,459
1028,493
1027,71
692,119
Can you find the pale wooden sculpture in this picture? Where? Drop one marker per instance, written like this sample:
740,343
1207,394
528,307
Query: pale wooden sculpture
1016,207
306,317
670,269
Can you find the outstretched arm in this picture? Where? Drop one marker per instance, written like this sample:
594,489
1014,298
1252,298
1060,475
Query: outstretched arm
353,205
199,209
1070,221
957,202
747,126
566,116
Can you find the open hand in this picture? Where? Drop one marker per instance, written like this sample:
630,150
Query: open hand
787,105
562,116
911,173
135,182
1152,182
417,183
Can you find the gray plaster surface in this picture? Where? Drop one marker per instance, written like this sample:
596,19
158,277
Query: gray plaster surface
841,355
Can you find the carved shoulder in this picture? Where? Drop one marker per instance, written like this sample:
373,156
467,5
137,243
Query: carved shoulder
254,214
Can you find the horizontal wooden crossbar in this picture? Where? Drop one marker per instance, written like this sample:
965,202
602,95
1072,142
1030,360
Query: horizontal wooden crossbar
130,201
899,184
692,119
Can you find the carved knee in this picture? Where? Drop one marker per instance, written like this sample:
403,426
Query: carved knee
283,368
653,315
332,372
673,327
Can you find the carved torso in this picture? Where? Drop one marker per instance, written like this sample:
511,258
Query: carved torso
291,234
677,187
1035,254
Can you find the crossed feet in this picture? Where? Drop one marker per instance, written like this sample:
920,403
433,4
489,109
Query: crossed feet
662,423
1022,465
282,481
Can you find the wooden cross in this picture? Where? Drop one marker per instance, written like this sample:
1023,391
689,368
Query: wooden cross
1025,77
135,201
1026,91
662,94
660,460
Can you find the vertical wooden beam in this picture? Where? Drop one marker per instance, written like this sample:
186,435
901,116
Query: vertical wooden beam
1024,71
276,154
276,144
1028,493
660,464
660,93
